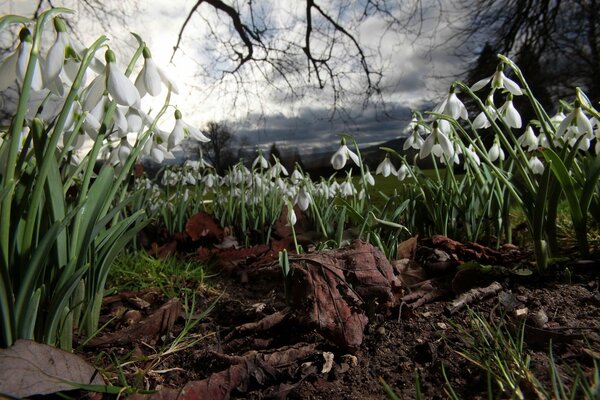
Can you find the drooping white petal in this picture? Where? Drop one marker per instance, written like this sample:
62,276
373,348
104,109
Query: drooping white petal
93,93
152,79
37,82
511,115
177,135
168,81
402,172
134,120
120,87
583,123
481,84
55,58
427,146
512,86
353,156
196,134
8,71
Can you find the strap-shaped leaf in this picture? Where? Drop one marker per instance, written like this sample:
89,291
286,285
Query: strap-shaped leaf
566,182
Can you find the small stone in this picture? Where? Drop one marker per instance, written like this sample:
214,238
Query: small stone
521,313
540,319
350,360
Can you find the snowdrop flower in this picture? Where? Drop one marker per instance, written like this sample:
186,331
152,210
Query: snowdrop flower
56,55
558,118
149,79
414,140
575,125
386,168
402,172
123,151
499,81
340,157
437,143
122,90
452,106
177,134
347,188
495,152
510,113
296,176
303,199
537,167
14,67
481,121
369,178
528,139
260,161
277,169
292,219
471,155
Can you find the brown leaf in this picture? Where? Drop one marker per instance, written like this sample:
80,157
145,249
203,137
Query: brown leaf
203,225
30,368
150,329
408,248
263,369
322,292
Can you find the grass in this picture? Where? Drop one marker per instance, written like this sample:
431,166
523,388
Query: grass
501,353
137,270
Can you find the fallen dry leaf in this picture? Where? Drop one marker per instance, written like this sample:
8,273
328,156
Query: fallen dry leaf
257,368
158,323
203,225
332,290
30,368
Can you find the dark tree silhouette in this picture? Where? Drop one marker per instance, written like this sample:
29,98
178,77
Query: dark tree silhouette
555,42
219,151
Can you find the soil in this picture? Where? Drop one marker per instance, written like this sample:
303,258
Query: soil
253,344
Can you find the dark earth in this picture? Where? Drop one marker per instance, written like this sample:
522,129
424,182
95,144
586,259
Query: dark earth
353,323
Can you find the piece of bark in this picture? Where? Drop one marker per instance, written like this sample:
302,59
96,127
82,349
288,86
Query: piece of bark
473,295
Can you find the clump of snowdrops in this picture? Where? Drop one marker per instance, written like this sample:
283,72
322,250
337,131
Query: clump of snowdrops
534,165
66,157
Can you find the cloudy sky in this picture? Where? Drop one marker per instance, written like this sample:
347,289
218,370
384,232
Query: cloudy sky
416,69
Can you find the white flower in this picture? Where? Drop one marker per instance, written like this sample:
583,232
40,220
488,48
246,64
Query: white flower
471,155
277,169
195,133
414,141
402,172
386,168
499,81
452,106
369,178
437,143
56,55
122,90
124,150
303,199
495,152
340,157
296,176
347,188
291,215
14,67
260,161
528,139
575,125
177,134
537,167
481,121
149,79
510,114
